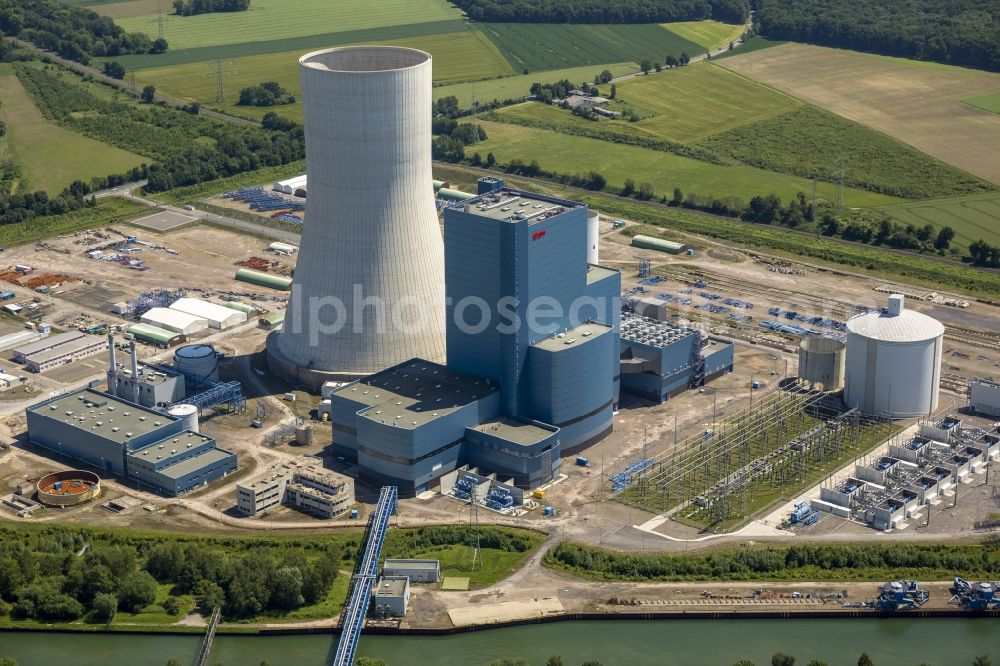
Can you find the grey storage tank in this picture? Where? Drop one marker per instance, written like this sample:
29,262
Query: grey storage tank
821,361
893,362
198,361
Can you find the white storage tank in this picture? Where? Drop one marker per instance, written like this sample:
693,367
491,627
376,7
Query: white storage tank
188,415
593,236
197,360
893,362
821,361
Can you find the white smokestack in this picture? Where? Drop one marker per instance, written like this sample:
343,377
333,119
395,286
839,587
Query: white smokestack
373,231
112,366
135,374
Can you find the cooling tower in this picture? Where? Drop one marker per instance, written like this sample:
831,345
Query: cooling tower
368,291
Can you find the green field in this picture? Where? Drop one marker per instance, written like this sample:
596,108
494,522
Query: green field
513,87
457,57
268,20
572,154
690,103
52,157
130,8
989,103
808,141
536,46
973,217
707,34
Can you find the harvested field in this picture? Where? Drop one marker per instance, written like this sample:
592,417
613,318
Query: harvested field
918,103
973,218
707,34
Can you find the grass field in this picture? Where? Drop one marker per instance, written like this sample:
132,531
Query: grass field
989,102
279,19
973,217
917,103
706,34
512,87
693,102
571,154
52,157
535,46
131,8
457,57
808,141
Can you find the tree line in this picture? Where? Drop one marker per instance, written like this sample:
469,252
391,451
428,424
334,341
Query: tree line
195,7
268,93
75,33
173,138
604,11
956,32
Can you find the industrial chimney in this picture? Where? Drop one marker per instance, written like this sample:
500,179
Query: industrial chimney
135,374
112,366
368,290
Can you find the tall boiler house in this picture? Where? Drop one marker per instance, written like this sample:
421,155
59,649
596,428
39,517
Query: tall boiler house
368,291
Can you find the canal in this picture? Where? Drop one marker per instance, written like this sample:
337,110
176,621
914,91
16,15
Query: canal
889,642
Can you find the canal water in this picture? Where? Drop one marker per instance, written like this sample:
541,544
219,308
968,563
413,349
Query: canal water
889,642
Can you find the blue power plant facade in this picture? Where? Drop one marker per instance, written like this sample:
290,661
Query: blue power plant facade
533,354
129,440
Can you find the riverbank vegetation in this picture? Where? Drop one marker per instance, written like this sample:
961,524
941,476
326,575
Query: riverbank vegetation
827,562
80,577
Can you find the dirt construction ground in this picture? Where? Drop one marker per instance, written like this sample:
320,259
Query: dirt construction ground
915,102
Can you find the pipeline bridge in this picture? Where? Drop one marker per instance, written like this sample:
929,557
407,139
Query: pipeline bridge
352,619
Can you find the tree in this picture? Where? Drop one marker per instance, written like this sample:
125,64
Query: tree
8,661
286,589
671,60
490,160
165,561
554,660
173,662
614,91
605,76
743,662
817,662
684,59
982,660
209,596
137,591
171,606
368,661
646,191
678,198
657,66
645,66
865,660
781,659
448,149
591,662
159,46
944,238
148,94
629,188
104,606
114,69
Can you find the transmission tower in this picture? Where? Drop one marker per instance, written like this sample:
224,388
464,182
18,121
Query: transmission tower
220,88
159,19
477,556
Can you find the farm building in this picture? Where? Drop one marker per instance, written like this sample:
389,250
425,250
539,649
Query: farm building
217,316
155,335
650,243
175,320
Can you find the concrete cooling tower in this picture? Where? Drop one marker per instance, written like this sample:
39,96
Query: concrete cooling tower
368,291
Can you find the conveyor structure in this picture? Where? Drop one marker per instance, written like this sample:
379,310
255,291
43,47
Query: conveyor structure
352,619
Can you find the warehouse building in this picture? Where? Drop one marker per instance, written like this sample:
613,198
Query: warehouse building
660,360
660,245
311,489
19,338
511,399
8,382
127,439
417,571
392,597
174,320
154,335
217,316
65,353
45,344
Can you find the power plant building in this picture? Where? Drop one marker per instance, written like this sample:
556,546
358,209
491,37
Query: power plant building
984,397
368,291
127,439
533,350
660,359
893,362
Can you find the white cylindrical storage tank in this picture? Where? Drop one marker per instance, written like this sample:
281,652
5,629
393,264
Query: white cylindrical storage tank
893,362
373,233
188,415
198,361
593,236
821,361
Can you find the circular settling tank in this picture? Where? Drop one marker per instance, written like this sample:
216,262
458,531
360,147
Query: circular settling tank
68,488
198,360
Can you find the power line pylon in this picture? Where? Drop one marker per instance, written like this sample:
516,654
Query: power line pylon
220,87
477,556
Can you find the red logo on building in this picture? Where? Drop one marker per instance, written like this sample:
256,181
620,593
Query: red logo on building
538,234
